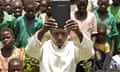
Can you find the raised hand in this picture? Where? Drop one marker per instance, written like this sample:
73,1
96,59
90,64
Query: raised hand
50,24
71,25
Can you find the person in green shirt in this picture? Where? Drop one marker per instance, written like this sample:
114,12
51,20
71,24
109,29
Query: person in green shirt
106,18
6,20
8,6
26,25
114,8
17,6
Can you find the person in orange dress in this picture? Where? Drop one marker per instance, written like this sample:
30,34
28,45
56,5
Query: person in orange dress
8,50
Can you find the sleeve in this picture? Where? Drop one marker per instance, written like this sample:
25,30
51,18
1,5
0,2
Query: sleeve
11,21
114,30
94,25
33,47
83,50
16,27
40,24
107,48
16,32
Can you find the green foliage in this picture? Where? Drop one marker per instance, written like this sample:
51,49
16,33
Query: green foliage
31,64
87,65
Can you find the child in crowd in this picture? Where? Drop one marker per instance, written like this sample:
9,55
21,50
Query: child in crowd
101,46
15,65
17,8
26,25
8,51
45,10
106,18
6,20
8,6
86,20
114,8
37,2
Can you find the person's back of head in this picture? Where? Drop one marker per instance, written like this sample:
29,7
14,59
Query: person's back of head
15,65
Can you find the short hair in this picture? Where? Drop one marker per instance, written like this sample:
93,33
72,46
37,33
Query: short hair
101,0
28,2
13,61
79,0
5,2
15,1
7,29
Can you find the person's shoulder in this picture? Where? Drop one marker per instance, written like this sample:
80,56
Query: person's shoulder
37,18
95,10
19,50
20,18
110,15
47,44
91,14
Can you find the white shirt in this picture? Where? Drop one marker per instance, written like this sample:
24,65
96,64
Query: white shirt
65,59
115,62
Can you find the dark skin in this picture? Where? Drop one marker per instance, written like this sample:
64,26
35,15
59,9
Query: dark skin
8,6
44,5
30,12
37,3
15,65
81,14
100,37
1,12
117,4
1,16
102,10
8,40
59,35
17,8
1,4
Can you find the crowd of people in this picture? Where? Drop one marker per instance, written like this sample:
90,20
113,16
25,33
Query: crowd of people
28,32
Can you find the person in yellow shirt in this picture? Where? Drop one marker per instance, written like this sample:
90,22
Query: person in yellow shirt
101,46
8,50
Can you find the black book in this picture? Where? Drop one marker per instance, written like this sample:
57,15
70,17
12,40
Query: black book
61,12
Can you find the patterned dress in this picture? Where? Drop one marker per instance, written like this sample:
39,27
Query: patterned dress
17,53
